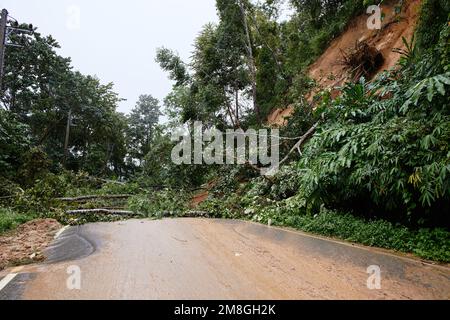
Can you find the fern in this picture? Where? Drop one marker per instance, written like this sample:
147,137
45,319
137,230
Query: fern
431,86
409,54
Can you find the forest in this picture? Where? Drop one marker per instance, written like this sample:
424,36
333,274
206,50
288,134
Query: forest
374,170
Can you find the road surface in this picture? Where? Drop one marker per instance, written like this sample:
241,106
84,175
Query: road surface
216,259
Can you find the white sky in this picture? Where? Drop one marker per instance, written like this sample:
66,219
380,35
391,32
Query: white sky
117,40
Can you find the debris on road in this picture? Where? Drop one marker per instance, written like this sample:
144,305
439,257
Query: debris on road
26,244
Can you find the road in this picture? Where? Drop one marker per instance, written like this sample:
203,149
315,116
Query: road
216,259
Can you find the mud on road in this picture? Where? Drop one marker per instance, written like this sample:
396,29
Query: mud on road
27,243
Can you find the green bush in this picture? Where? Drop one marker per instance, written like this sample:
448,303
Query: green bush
113,188
434,13
41,196
165,203
432,244
387,157
14,141
36,166
10,219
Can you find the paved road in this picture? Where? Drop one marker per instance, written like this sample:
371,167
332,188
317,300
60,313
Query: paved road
215,259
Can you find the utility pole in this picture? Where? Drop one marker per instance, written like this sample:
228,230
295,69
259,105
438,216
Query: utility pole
5,32
66,144
3,24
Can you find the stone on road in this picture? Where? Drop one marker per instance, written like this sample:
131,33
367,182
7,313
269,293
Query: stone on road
219,259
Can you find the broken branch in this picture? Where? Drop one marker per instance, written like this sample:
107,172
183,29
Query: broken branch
300,142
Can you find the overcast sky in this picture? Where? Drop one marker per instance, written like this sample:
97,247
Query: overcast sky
117,40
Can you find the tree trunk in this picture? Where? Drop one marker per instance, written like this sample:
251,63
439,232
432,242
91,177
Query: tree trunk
238,122
101,211
229,108
251,60
66,143
95,197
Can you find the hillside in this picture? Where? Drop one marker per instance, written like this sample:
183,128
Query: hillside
329,71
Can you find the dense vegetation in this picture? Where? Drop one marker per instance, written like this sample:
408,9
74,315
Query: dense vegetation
376,171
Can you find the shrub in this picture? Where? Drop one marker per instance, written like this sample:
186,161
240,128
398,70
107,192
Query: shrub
10,219
39,198
165,203
36,166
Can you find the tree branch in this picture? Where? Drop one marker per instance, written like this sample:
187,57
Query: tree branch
302,140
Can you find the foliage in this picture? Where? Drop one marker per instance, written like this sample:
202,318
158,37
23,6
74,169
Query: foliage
433,14
142,124
40,198
410,53
14,141
165,203
171,62
114,188
40,89
35,165
75,220
391,154
430,86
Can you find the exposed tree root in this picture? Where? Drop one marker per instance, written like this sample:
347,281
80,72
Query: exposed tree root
363,60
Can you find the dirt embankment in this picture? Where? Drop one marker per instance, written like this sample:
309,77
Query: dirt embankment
329,71
26,243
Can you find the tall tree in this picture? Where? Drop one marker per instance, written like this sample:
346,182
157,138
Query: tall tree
236,39
41,90
142,124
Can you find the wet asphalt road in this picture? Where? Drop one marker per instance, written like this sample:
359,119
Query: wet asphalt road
216,259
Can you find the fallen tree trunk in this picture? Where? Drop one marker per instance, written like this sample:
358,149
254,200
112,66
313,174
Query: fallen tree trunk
95,197
101,211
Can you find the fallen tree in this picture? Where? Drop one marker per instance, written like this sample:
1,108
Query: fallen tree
101,211
95,197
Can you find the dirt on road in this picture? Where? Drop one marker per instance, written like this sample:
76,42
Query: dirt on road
216,259
27,243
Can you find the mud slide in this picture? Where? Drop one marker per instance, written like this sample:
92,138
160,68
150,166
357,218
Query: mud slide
329,71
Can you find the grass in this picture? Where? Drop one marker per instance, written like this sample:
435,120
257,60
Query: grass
9,219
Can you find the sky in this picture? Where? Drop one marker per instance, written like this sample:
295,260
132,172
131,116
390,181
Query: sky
117,40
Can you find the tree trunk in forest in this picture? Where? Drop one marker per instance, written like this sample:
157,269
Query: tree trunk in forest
95,197
229,108
66,143
238,122
251,59
101,211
